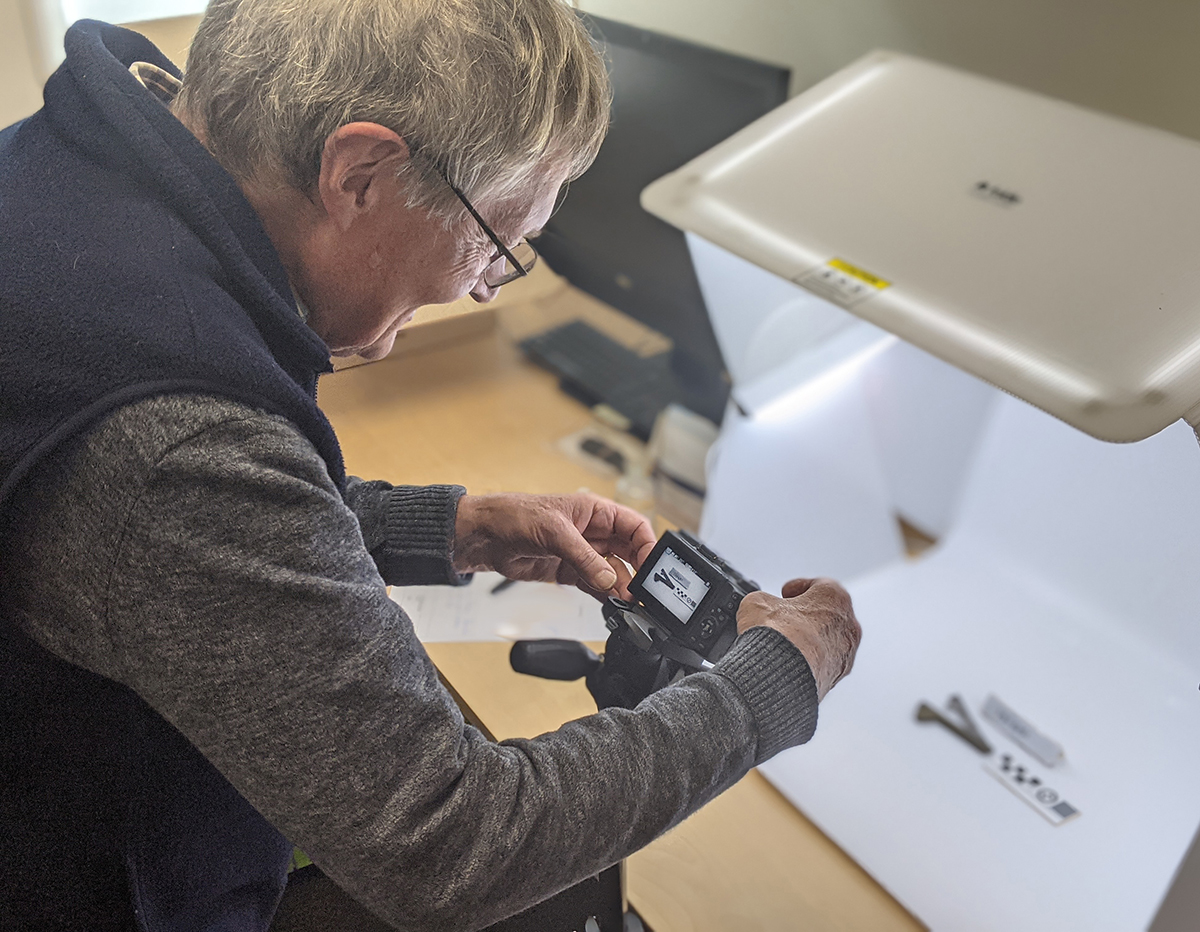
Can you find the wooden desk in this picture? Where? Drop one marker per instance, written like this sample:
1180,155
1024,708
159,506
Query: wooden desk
478,415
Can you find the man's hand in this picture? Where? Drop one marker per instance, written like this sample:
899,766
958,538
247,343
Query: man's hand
816,616
581,539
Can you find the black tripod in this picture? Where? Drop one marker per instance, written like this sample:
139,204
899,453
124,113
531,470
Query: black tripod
622,677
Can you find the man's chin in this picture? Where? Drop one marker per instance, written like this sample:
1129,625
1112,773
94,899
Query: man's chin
376,350
380,348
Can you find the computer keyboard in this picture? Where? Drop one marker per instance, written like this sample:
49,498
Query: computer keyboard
598,370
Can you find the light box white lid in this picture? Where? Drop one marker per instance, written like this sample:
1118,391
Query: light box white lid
1048,249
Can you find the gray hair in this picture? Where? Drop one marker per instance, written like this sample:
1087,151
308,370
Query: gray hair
483,91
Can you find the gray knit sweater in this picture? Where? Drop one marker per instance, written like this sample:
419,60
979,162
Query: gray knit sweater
195,550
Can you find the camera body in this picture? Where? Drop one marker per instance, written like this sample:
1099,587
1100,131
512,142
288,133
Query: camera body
689,594
682,618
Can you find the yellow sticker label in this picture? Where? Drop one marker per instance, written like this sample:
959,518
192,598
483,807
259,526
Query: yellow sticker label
861,274
844,284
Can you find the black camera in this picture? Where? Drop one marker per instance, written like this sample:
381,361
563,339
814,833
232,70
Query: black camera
682,618
686,602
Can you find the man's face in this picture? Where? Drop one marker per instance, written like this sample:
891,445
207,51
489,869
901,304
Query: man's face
364,282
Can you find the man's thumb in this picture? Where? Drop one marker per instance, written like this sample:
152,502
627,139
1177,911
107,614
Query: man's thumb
592,568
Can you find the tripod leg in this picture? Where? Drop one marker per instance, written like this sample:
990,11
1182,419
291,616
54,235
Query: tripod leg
597,900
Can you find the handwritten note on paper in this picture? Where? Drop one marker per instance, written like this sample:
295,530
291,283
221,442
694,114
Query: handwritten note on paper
523,610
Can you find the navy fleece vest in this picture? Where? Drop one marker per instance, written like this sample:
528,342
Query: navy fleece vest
130,265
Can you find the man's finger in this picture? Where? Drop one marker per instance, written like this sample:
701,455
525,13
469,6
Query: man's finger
754,609
592,568
831,590
630,535
624,578
795,587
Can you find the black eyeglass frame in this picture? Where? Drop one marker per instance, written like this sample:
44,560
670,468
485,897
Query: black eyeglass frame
519,269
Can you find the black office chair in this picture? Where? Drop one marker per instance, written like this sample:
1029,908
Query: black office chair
314,903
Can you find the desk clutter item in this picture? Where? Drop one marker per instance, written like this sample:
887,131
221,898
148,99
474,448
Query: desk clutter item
604,450
597,369
679,449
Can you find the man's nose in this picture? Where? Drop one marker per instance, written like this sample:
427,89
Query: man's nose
483,292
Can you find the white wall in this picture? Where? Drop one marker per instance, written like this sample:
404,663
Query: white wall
1136,58
20,89
22,71
172,35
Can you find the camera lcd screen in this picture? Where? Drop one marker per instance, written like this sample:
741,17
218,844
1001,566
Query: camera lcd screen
676,585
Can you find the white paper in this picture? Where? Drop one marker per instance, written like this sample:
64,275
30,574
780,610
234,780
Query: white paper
523,610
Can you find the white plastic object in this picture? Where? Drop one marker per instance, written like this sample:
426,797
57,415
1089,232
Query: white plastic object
1045,248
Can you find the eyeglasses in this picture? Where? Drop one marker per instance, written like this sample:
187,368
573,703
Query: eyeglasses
511,264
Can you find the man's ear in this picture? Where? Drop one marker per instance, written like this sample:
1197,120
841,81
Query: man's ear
359,167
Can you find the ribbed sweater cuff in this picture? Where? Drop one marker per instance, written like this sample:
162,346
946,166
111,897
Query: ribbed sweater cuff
775,680
420,532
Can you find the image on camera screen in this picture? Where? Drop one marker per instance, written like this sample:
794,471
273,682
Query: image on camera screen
676,585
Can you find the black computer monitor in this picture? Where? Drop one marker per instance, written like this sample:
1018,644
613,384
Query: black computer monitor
672,100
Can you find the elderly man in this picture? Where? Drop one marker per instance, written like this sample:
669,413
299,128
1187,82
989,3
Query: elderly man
200,664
